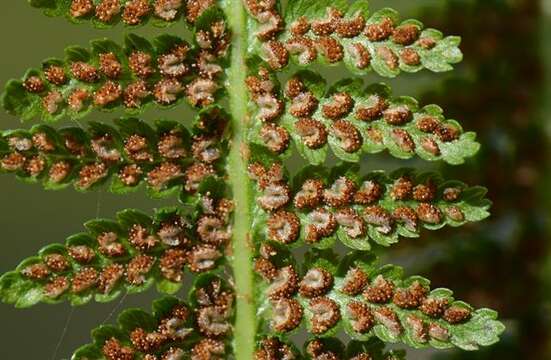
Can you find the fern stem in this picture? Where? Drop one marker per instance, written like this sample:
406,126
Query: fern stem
242,259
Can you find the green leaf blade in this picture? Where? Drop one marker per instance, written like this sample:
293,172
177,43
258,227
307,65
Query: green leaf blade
370,303
132,77
352,121
320,206
129,255
165,159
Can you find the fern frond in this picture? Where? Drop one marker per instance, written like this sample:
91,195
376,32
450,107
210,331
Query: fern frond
351,120
167,158
129,254
331,32
133,13
197,329
320,206
326,348
132,77
367,301
239,206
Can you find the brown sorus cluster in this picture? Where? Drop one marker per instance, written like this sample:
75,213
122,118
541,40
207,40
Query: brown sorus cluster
303,47
377,104
135,158
380,302
325,314
275,54
341,106
34,84
347,134
338,106
322,224
176,326
113,349
214,42
283,227
84,72
287,314
96,270
361,317
270,22
167,9
215,308
310,195
378,217
273,348
200,92
313,132
84,279
310,37
265,268
56,262
410,298
138,268
316,282
316,349
37,271
275,192
285,284
82,254
110,65
354,282
109,277
213,230
194,8
203,257
262,90
330,206
303,105
276,138
140,64
135,93
135,12
107,94
172,67
207,348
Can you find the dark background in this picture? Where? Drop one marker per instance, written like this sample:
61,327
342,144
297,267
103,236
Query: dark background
502,90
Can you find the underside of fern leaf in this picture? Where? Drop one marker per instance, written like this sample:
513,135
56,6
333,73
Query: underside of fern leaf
332,32
319,206
367,301
351,120
108,76
198,327
166,156
129,254
242,214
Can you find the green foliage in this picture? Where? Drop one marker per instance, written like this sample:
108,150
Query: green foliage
108,76
129,254
338,33
88,14
167,158
247,222
389,306
353,120
174,328
357,210
331,348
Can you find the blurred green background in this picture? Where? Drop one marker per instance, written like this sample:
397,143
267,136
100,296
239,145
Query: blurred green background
502,90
